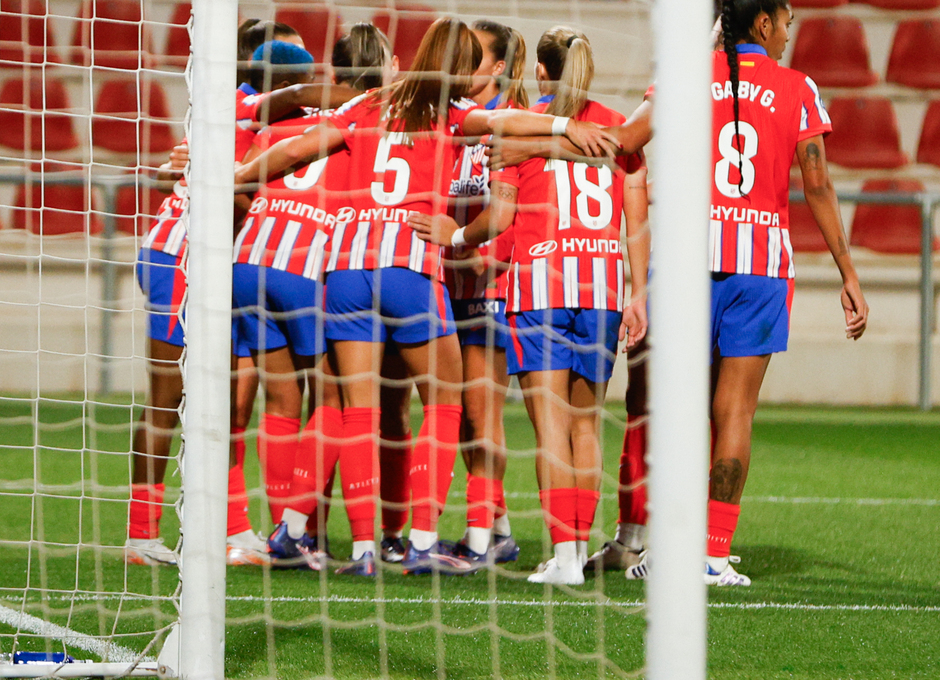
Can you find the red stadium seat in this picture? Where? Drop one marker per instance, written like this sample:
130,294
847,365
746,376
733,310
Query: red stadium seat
25,35
33,125
805,236
885,228
110,33
50,209
319,25
915,55
136,207
405,26
833,51
177,38
817,4
901,5
928,149
130,126
864,134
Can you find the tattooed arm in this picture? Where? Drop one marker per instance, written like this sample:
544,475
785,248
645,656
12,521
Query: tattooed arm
822,201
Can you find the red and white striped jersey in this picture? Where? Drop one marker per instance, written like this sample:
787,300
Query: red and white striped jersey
567,251
779,107
471,186
290,220
391,174
168,232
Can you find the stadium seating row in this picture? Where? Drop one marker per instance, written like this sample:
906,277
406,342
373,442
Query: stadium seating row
834,52
896,5
52,209
112,33
128,117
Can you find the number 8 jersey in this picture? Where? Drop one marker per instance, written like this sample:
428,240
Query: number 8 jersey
567,251
779,107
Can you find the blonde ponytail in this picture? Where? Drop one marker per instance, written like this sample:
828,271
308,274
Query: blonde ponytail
568,61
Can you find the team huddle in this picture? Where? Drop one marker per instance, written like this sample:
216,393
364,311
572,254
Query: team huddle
432,231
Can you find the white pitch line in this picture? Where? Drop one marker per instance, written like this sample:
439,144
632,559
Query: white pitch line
102,648
793,500
473,601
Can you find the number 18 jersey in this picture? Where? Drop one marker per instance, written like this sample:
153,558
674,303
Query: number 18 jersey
779,107
567,251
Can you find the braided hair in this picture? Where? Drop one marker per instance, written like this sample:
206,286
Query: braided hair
737,22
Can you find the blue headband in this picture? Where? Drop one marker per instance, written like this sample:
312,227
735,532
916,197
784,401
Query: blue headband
280,53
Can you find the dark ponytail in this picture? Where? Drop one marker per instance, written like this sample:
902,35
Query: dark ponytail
360,56
737,23
731,54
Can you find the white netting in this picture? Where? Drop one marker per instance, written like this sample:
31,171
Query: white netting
74,352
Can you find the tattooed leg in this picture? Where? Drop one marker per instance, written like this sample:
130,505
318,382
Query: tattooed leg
734,402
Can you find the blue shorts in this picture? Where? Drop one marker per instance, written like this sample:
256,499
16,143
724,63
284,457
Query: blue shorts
482,322
392,303
158,273
750,314
583,340
275,309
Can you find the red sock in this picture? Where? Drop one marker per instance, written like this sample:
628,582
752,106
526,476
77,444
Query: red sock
482,500
501,508
586,508
359,469
237,517
632,494
317,453
277,446
722,521
432,464
322,508
560,509
395,489
145,510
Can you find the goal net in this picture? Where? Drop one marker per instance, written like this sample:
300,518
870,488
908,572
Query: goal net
94,96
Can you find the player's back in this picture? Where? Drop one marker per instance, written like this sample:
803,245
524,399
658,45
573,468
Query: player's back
778,107
391,174
567,229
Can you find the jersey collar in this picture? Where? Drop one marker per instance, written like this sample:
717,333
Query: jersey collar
247,89
545,99
493,103
751,48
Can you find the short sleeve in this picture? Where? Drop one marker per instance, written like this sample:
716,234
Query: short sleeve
634,162
249,107
508,176
459,108
814,119
347,117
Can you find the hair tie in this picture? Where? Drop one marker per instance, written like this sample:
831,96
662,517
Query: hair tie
570,40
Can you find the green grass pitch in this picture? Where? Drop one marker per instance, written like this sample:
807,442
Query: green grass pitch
839,531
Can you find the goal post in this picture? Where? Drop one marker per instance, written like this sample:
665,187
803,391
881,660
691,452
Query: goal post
679,319
206,364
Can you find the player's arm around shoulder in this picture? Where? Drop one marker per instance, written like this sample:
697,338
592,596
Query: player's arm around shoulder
822,201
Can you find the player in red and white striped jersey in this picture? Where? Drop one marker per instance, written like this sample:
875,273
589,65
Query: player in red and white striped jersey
307,199
762,114
476,280
566,296
403,148
163,281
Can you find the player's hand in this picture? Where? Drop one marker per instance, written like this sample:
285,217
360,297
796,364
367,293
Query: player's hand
179,157
438,229
591,139
634,324
504,152
856,310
